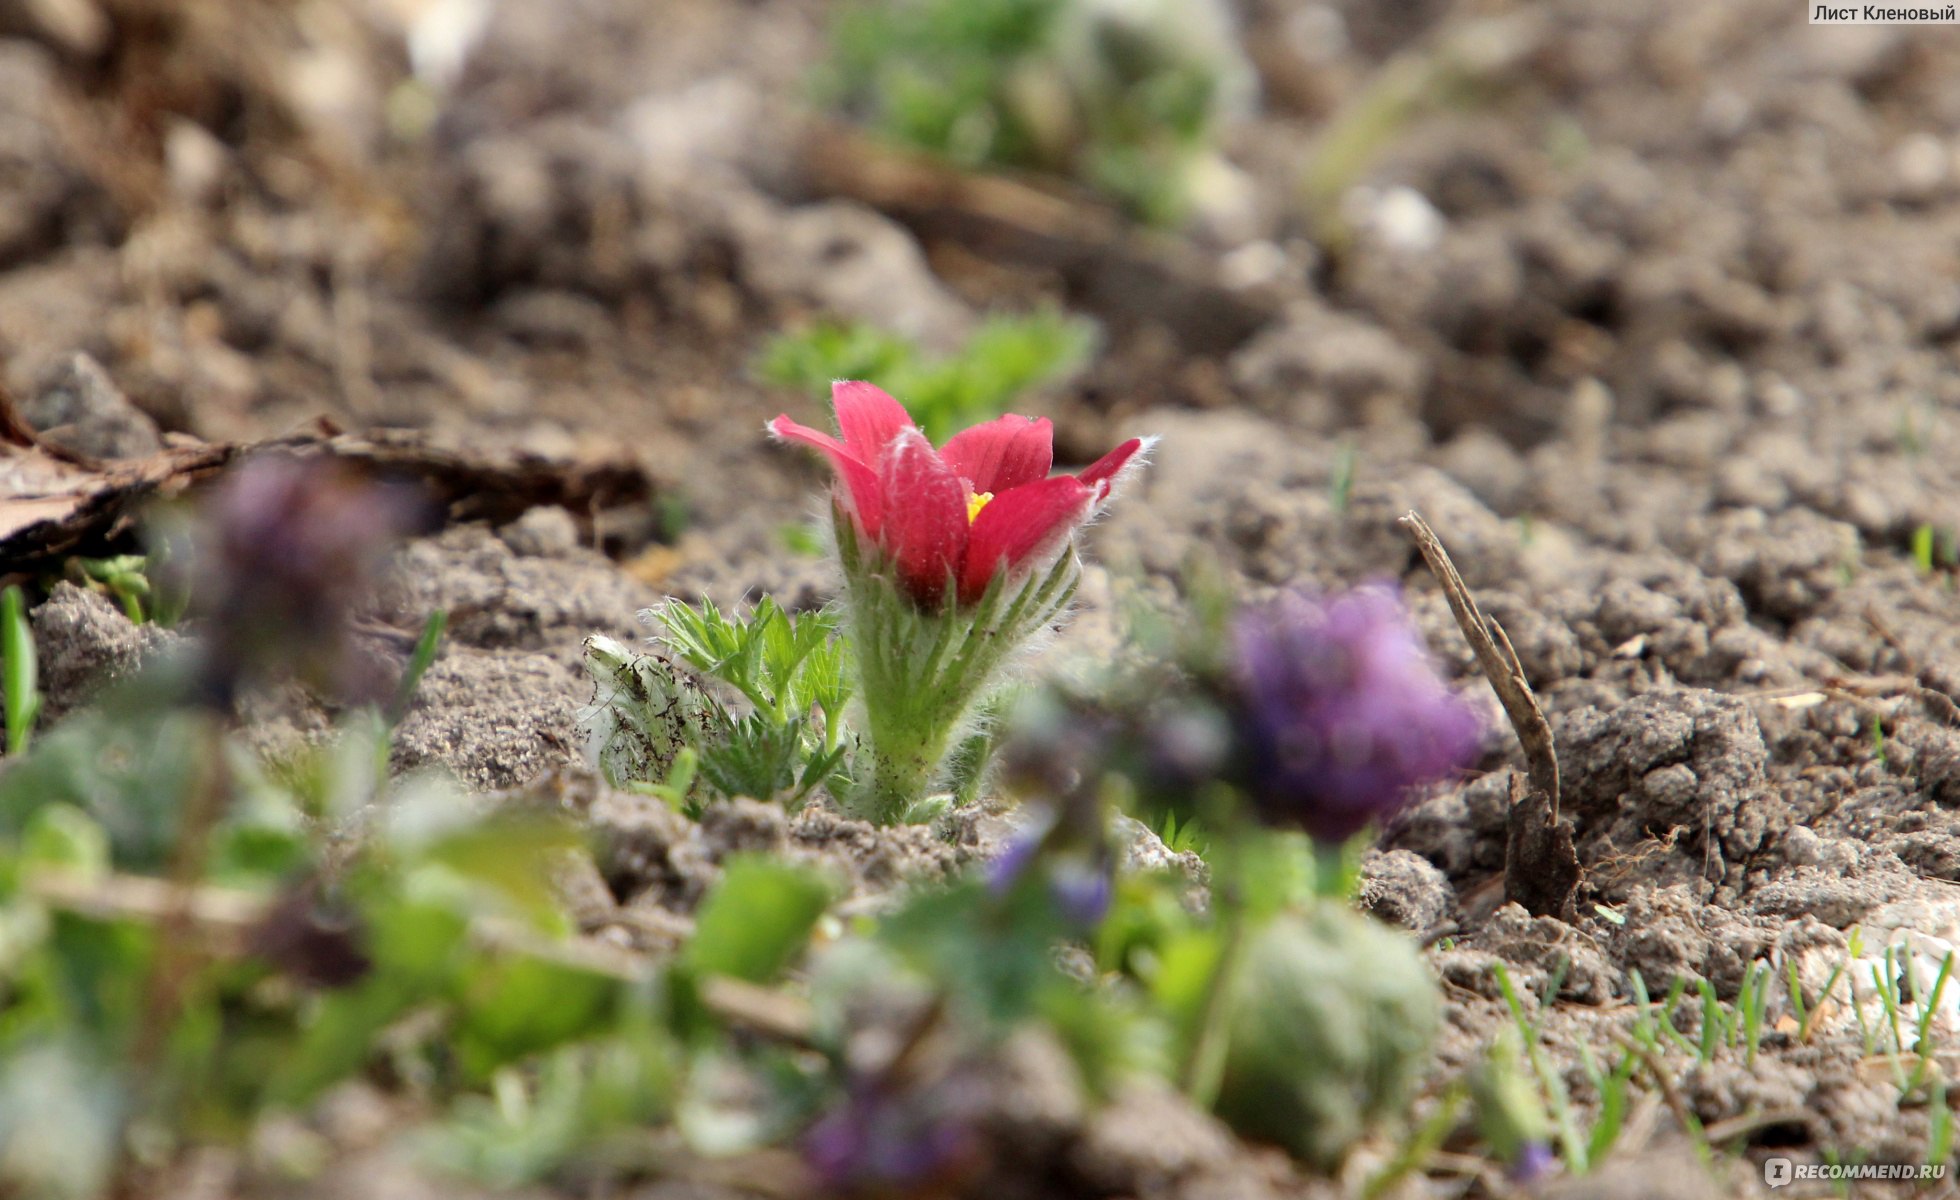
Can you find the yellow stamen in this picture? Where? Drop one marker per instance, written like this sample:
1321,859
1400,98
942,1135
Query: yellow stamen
975,503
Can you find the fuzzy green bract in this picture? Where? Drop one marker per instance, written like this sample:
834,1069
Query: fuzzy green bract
924,670
1331,1023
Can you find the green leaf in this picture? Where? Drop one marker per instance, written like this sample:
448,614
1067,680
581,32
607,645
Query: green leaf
338,1038
1125,98
810,359
1106,1033
995,954
514,1004
129,769
1181,973
21,682
786,668
514,856
715,645
97,973
1008,357
757,760
63,836
563,1115
419,662
757,919
804,541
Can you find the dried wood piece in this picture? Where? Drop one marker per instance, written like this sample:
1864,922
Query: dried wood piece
1541,868
55,505
478,486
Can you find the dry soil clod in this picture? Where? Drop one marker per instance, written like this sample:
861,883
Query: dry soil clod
1541,868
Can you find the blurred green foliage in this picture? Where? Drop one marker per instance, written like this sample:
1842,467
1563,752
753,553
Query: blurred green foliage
1005,359
1125,97
195,939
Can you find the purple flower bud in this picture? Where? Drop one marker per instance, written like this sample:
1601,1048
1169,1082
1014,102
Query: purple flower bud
1078,878
1081,890
290,547
881,1143
1534,1162
1343,711
1006,871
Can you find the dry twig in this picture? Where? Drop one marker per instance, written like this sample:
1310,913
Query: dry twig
1541,869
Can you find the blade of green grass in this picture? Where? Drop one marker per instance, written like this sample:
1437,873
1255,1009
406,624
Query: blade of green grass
22,672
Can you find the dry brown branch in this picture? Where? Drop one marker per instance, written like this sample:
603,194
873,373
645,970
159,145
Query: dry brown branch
1541,868
56,505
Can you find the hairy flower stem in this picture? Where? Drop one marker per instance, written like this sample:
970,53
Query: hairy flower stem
924,672
902,769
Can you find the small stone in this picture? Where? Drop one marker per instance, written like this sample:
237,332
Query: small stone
85,641
1146,1139
195,161
1801,847
851,262
1399,218
546,531
1920,165
1138,848
1406,889
81,410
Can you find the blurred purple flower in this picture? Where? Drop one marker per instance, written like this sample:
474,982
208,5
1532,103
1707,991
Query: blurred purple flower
1082,889
1078,878
1343,711
1534,1162
289,548
881,1142
1006,871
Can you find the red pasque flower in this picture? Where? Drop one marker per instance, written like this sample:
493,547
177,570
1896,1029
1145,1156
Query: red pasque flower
981,504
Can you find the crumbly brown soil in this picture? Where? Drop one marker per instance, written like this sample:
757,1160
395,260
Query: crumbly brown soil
1675,381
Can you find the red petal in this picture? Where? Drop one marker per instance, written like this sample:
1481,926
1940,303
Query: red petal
1009,452
1105,469
868,417
925,516
860,481
1021,525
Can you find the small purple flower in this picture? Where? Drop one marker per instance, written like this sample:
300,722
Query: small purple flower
1343,711
879,1142
1535,1161
290,547
1005,872
1079,880
1081,890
